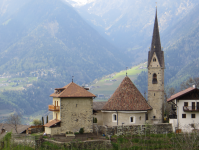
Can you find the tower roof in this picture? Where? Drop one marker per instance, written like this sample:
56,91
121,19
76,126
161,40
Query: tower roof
156,44
71,90
127,98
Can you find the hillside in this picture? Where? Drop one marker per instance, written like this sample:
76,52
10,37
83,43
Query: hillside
54,37
107,85
41,50
129,24
181,53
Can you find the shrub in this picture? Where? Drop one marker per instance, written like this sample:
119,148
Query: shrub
135,140
37,122
81,131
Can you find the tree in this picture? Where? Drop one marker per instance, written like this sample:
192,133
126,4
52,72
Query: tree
42,120
169,91
37,122
46,119
189,83
14,121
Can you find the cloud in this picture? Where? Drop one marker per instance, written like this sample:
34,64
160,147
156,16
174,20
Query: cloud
76,3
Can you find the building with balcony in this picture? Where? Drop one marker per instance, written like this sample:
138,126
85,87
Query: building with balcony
186,111
72,109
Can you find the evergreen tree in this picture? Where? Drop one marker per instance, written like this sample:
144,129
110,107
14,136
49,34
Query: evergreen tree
47,119
42,120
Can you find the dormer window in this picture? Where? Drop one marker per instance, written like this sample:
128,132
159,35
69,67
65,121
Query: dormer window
154,59
154,81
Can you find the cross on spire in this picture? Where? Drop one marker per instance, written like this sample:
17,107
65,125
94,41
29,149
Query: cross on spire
72,78
126,71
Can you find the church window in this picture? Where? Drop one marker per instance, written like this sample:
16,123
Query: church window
114,117
132,119
154,94
154,59
154,79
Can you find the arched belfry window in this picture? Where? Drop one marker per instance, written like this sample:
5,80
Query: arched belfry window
154,59
154,79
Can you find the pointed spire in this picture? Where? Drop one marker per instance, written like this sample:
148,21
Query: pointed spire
156,44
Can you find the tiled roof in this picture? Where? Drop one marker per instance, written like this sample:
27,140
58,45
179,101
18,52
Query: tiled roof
98,105
127,98
53,122
180,94
72,90
156,44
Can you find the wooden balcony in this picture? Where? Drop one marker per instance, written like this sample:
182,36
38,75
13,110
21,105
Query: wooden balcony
53,108
191,108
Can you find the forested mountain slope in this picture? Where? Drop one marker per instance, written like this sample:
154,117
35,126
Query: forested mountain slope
50,34
43,35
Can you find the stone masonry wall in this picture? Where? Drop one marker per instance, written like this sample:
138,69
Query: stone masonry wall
135,129
155,92
76,113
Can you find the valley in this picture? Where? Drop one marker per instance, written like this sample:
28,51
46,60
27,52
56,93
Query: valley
41,50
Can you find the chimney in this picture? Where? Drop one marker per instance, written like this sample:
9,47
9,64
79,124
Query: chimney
194,86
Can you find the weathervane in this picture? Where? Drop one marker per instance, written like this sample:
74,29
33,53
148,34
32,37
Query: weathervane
126,71
72,78
156,4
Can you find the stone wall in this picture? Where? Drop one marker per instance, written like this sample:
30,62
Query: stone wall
134,129
36,130
155,92
76,113
93,144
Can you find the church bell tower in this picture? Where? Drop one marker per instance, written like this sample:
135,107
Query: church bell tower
156,77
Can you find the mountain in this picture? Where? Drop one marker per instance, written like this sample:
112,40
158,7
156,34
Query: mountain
47,34
129,24
49,38
181,51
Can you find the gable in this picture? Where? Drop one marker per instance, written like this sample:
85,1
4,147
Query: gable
194,94
71,90
154,61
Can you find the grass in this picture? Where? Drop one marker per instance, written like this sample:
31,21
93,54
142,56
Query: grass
132,142
108,87
11,85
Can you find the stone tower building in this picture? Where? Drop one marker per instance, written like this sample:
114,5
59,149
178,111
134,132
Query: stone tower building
156,77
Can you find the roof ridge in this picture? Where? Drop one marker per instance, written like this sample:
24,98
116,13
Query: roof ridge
181,93
127,97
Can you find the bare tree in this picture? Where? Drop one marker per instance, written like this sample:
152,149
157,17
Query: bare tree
190,82
14,120
169,91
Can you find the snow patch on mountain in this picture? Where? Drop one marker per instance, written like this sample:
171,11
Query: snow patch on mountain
78,3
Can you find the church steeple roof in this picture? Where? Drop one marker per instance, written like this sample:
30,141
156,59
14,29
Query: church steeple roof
156,44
